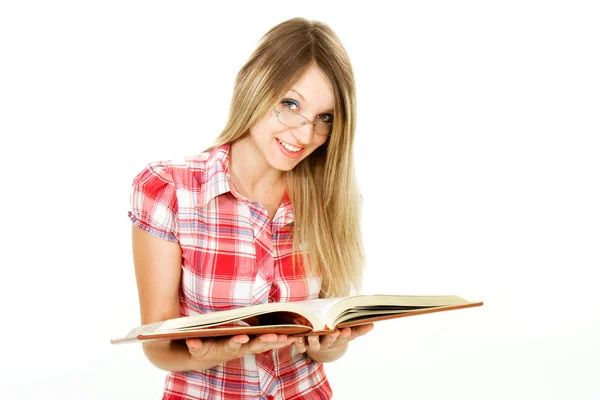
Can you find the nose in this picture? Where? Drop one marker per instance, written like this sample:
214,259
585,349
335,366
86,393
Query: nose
303,134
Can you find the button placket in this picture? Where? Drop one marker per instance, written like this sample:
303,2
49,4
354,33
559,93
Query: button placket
263,243
268,266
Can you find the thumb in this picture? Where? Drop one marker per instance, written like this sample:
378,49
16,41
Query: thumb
193,343
233,344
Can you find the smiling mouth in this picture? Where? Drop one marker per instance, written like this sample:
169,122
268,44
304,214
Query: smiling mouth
289,147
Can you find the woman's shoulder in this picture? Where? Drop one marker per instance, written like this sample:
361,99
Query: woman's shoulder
184,163
184,170
194,162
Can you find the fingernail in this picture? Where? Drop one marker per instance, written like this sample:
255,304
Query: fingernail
300,340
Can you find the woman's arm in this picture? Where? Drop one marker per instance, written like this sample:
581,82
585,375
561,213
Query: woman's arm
158,274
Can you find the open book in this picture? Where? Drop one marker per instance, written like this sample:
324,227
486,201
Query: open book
310,317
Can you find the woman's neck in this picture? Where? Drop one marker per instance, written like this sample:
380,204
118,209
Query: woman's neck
250,172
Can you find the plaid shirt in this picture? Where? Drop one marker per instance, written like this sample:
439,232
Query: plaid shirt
232,256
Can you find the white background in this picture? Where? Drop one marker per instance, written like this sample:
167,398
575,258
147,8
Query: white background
477,154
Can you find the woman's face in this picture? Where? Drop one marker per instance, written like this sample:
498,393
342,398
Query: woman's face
284,147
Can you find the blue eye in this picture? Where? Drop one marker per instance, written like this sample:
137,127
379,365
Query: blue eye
288,103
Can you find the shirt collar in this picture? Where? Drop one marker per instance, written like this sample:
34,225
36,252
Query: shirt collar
214,178
284,214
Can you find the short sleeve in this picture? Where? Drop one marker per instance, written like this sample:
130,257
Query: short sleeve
154,202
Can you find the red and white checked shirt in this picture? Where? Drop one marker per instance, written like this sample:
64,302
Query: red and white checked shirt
232,256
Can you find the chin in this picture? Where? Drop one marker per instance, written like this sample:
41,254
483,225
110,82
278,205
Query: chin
280,162
283,166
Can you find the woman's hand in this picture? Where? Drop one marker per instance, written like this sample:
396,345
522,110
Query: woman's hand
207,353
332,346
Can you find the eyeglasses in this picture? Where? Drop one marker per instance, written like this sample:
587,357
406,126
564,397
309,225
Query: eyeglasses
294,120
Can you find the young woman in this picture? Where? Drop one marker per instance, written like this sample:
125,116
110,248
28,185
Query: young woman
269,213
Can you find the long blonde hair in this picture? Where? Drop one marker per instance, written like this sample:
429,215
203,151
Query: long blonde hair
322,187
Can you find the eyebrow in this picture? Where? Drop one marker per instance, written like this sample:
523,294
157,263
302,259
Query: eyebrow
299,94
303,99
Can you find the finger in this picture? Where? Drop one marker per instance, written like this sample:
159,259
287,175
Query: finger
233,344
360,331
199,348
193,343
256,345
266,342
282,338
313,343
268,337
346,332
340,341
300,345
196,343
328,340
282,342
241,338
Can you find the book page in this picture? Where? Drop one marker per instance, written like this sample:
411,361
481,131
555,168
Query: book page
393,304
141,330
356,314
321,307
243,313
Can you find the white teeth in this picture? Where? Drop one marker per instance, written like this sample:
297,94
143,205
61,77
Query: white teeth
289,146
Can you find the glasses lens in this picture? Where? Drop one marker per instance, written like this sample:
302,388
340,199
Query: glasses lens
291,119
323,128
294,120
